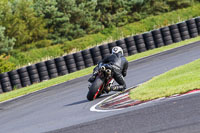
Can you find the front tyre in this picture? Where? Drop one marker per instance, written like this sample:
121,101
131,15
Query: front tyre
94,88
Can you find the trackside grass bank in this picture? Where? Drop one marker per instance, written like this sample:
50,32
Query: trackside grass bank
177,81
58,80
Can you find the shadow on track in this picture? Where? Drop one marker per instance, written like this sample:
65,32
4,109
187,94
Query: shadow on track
85,101
76,103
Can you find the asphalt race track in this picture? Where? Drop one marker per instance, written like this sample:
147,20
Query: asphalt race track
64,108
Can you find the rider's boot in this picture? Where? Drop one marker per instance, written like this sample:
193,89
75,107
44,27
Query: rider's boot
92,78
117,88
107,89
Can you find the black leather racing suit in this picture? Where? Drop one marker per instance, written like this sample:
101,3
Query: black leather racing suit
119,67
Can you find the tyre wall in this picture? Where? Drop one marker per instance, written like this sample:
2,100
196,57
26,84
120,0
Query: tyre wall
86,58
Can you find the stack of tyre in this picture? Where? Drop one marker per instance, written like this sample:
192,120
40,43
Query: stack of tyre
15,79
79,61
166,35
105,51
5,82
61,66
130,44
87,57
70,62
197,20
140,43
24,76
33,74
192,27
42,71
183,29
176,37
96,54
51,68
158,38
149,41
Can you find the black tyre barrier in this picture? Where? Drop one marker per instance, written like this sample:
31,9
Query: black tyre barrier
53,73
121,43
51,68
1,90
197,20
70,62
111,45
130,44
42,71
50,64
87,58
33,74
175,33
192,27
96,54
5,82
183,30
15,79
79,60
166,35
140,44
157,36
105,51
61,66
149,41
24,77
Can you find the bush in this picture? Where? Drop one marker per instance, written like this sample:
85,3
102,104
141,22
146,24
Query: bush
5,65
6,44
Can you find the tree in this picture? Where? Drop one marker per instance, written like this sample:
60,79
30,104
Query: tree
82,16
6,44
57,22
21,22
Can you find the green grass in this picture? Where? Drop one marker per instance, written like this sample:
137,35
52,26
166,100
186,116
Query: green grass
45,84
177,81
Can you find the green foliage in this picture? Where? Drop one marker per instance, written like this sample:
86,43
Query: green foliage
57,22
21,23
177,4
150,23
6,44
60,21
38,24
5,65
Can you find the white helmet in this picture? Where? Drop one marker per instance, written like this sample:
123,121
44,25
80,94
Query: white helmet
116,50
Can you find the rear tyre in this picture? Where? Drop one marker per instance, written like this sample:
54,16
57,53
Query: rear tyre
94,88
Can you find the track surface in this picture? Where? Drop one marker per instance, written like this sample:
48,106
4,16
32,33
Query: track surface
64,107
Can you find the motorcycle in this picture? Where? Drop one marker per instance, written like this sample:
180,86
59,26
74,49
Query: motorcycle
102,81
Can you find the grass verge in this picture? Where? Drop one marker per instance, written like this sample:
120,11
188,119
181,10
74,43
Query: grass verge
177,81
45,84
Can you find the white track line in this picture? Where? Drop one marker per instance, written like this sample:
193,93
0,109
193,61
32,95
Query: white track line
93,108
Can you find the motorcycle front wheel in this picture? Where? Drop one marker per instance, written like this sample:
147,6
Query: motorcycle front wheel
93,89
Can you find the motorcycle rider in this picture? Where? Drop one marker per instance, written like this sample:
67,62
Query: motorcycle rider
119,66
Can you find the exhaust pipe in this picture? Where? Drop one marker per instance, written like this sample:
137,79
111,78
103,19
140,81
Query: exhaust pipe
103,68
108,71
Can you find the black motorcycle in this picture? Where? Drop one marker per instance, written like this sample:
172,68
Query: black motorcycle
103,80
